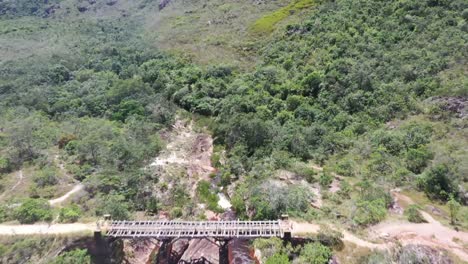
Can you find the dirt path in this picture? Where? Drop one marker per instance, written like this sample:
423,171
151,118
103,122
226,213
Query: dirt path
78,185
301,228
433,233
45,229
64,197
20,179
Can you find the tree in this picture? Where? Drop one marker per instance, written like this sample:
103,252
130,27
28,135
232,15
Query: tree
33,210
312,84
128,89
128,108
207,196
417,159
58,74
454,208
115,205
27,137
315,253
438,182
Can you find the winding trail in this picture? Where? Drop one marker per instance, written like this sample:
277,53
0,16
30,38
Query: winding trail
302,228
78,185
64,197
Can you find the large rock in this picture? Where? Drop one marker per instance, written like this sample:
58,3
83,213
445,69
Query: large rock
202,248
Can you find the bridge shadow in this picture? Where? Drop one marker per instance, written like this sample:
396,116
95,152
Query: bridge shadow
201,260
101,250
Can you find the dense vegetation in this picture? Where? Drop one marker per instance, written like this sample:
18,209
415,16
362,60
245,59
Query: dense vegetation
97,104
358,88
326,89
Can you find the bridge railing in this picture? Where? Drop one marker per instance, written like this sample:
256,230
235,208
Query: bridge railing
192,229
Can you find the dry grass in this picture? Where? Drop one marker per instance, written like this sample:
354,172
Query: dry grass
267,23
207,32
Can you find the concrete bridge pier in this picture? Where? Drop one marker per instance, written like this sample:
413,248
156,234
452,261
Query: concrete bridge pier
223,245
165,252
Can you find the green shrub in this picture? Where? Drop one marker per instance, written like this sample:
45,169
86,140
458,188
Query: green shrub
315,253
4,164
325,179
114,204
207,196
47,176
3,213
370,212
176,212
304,171
417,159
69,214
33,210
273,248
413,214
439,182
77,256
278,259
454,207
330,237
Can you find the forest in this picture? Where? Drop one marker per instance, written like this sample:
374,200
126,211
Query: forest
362,89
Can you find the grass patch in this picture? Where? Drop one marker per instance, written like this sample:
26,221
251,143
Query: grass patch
208,197
266,24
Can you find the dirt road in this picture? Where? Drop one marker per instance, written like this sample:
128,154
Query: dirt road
301,228
46,229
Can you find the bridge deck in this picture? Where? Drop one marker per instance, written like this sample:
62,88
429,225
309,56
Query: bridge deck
186,229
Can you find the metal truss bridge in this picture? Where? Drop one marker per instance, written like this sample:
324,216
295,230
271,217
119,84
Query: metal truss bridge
219,230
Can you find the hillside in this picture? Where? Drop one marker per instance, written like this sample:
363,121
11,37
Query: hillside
350,116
